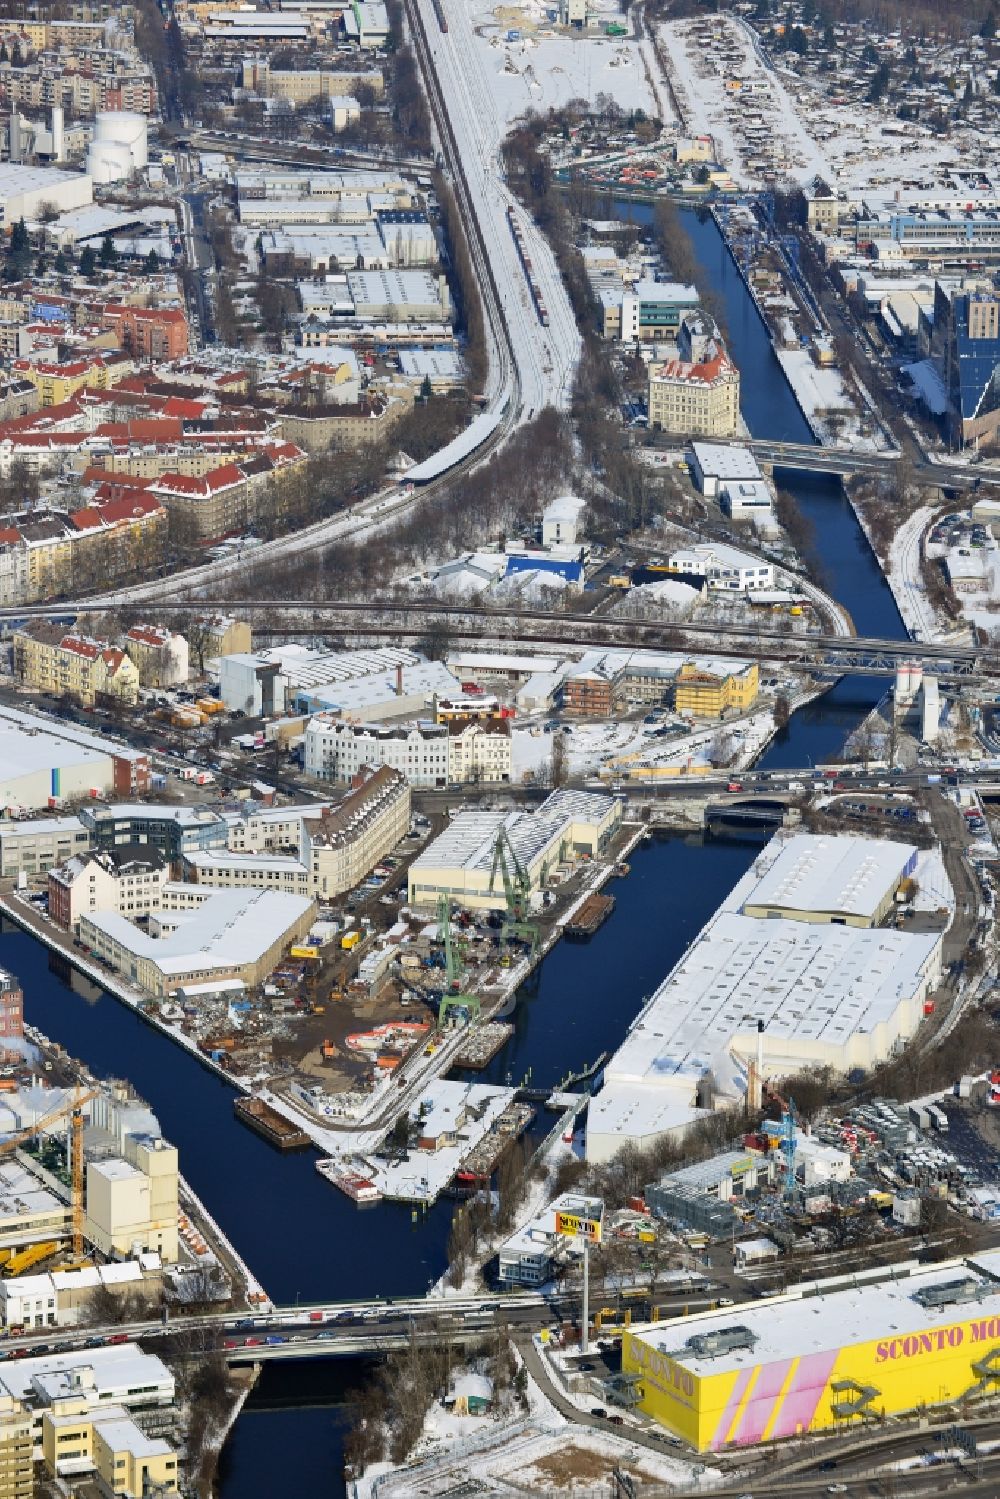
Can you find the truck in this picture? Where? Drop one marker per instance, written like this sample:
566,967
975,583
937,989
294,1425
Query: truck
350,941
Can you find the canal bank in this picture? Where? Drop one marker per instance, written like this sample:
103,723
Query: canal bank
301,1237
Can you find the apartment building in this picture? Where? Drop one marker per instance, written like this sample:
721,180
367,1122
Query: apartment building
57,383
709,691
349,840
47,660
17,1479
148,333
455,752
160,656
301,87
700,400
11,1006
128,879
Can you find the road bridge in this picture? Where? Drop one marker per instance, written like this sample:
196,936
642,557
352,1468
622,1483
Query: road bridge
817,654
850,462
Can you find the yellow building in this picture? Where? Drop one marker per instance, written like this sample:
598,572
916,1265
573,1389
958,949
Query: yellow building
133,1202
698,400
78,1440
48,660
760,1373
16,1472
57,383
460,862
709,693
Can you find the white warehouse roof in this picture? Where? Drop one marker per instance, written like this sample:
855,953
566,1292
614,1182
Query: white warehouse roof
848,875
822,1324
720,461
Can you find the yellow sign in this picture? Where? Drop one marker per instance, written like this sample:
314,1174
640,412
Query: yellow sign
572,1226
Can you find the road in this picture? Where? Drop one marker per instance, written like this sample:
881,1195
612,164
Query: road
848,461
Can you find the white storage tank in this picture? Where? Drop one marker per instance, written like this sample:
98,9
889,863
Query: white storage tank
125,128
109,161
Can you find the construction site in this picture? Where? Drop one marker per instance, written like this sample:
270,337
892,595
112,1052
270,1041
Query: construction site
370,1002
91,1200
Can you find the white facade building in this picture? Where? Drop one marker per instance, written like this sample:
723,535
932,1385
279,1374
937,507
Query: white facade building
427,754
723,568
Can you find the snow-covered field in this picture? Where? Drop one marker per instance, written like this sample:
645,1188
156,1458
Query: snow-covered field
627,748
545,71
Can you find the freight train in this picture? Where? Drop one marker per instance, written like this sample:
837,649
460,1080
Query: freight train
536,295
442,19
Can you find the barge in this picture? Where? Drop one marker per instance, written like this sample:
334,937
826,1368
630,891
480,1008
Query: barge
352,1179
270,1125
594,911
482,1043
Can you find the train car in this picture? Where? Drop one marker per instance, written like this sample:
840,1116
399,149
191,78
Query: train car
528,268
442,19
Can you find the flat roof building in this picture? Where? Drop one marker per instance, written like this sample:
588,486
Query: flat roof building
751,1374
201,934
828,993
459,862
845,879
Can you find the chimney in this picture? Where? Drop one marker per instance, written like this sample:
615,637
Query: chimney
399,679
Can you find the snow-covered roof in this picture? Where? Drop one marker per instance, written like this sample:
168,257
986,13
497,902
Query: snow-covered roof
846,874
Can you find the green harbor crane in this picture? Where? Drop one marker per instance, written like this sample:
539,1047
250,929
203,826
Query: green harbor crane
454,968
516,924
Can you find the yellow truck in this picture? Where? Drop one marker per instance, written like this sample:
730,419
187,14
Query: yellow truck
350,941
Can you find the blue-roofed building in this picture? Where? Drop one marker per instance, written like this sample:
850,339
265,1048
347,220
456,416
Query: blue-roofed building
965,343
537,562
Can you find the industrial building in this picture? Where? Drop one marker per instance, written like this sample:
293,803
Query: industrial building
752,1374
24,191
200,936
826,992
45,760
259,683
37,844
847,880
459,863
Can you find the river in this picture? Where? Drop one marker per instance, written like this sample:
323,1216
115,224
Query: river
302,1238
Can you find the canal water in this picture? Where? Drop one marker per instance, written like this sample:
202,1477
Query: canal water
301,1237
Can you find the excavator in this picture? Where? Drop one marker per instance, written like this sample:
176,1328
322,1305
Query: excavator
32,1254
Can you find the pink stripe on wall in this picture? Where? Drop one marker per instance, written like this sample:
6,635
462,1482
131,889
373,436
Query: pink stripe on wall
732,1406
759,1407
804,1394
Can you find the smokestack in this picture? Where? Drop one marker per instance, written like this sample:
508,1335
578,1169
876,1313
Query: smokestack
399,679
758,1082
58,140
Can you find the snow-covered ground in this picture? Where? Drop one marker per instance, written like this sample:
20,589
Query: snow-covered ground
703,54
543,70
822,395
628,748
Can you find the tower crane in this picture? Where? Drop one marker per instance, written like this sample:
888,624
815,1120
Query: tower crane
73,1106
454,968
516,922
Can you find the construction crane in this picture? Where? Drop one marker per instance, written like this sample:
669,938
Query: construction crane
73,1106
516,923
452,998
